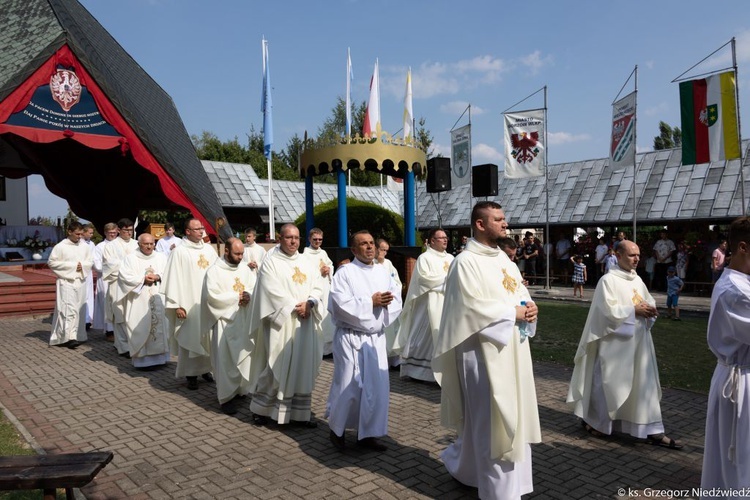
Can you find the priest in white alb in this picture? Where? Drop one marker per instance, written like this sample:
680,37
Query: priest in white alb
183,289
320,258
139,285
483,364
100,323
615,383
420,320
112,256
226,296
88,233
726,455
254,252
71,262
364,300
285,328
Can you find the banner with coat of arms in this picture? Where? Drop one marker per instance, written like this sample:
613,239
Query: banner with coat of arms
622,145
461,156
524,144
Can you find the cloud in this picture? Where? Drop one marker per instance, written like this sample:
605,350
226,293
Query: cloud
649,64
557,138
435,78
723,59
484,153
458,107
535,62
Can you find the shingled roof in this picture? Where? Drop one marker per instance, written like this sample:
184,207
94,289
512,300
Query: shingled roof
590,193
33,30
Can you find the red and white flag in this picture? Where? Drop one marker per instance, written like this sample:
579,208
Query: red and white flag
524,144
372,113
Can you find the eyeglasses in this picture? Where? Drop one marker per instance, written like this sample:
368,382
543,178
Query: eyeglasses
316,239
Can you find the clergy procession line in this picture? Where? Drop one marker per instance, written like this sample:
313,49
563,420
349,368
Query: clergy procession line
257,324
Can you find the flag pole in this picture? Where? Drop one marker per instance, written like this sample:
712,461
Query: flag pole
635,153
546,190
268,136
745,206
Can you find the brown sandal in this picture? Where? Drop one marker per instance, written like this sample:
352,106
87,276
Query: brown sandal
592,431
663,441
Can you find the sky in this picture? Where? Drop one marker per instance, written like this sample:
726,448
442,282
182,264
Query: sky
488,54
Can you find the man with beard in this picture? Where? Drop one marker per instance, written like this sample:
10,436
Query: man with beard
226,294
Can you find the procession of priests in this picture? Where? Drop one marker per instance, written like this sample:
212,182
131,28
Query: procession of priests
257,324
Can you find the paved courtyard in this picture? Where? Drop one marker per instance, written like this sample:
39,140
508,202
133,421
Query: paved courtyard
170,442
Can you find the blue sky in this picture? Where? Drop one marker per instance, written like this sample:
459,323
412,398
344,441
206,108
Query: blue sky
489,53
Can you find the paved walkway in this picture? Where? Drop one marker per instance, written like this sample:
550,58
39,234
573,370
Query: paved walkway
170,442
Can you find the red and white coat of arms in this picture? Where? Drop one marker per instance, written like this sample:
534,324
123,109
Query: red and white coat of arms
66,88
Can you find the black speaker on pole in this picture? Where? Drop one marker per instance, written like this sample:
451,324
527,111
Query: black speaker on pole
438,175
484,180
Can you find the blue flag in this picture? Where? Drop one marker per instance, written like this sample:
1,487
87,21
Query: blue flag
266,106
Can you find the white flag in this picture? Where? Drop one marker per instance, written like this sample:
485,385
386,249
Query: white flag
461,156
408,111
524,144
622,147
372,113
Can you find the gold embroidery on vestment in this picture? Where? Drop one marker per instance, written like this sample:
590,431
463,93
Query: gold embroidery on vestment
203,262
238,286
637,299
446,266
298,277
509,283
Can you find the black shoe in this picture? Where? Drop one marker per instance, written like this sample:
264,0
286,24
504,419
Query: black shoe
109,336
260,419
207,377
125,354
72,344
371,444
88,326
307,424
229,408
192,383
339,442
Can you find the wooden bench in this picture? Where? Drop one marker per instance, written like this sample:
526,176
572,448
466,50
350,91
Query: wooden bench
49,472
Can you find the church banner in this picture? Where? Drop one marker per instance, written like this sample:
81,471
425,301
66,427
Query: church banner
461,156
524,144
622,145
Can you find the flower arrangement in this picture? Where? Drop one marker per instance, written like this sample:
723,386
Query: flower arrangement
35,243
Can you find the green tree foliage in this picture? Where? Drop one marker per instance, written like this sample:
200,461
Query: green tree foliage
668,137
209,147
380,222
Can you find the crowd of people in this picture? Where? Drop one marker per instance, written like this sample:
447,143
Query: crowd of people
257,324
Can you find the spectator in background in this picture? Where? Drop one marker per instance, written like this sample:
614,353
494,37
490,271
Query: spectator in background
530,254
718,260
620,237
664,250
562,254
600,253
682,261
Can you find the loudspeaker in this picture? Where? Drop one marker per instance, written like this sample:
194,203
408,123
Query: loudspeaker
484,180
438,175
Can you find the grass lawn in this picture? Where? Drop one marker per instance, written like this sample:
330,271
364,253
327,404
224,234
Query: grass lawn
11,443
685,361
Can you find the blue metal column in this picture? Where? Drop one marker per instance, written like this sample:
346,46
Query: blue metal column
309,206
343,226
410,226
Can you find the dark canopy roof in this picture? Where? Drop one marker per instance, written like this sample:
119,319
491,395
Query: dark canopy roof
31,32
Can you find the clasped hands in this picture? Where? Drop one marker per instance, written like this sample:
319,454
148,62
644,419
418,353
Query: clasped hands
303,309
528,313
382,299
646,310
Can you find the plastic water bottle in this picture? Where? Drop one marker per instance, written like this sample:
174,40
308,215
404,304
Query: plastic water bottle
523,328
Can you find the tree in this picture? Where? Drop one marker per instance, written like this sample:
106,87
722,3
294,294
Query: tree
668,137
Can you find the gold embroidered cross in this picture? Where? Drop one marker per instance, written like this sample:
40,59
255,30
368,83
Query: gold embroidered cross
203,262
322,264
509,283
298,277
446,266
238,286
637,299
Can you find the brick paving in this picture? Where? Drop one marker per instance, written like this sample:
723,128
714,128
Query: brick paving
173,443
